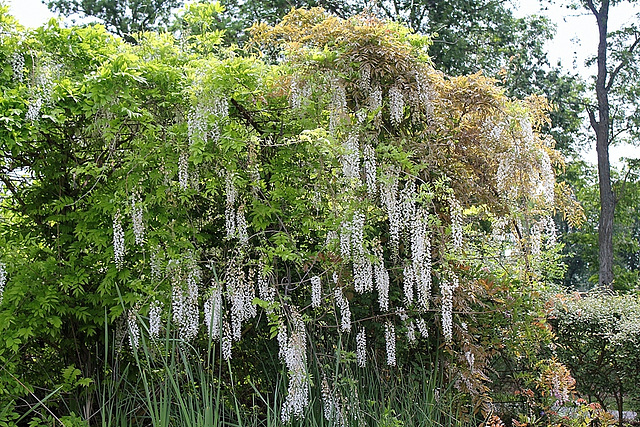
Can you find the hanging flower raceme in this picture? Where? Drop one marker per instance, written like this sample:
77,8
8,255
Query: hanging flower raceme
184,297
213,311
357,232
411,332
421,257
136,219
408,280
389,196
382,283
345,311
42,90
118,241
266,292
547,178
362,273
456,224
345,240
338,102
134,328
241,224
374,101
448,287
331,406
365,78
17,64
422,327
154,264
155,319
390,340
3,280
351,158
293,350
297,93
550,230
316,291
240,296
396,105
183,170
229,212
226,341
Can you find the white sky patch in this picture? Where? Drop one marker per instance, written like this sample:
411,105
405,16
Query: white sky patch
30,13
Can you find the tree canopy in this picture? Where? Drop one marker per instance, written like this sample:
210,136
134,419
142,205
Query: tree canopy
122,17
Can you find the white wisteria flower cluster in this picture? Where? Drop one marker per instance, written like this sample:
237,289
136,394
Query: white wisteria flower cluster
3,280
203,118
316,291
236,224
351,158
456,224
118,240
299,94
293,351
390,340
331,406
524,166
42,90
448,287
183,170
396,105
136,219
17,65
266,291
240,295
185,280
155,319
133,328
338,103
213,311
345,312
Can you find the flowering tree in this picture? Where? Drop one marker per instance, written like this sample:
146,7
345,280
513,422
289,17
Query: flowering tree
347,197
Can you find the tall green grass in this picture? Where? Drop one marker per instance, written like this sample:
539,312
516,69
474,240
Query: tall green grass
169,382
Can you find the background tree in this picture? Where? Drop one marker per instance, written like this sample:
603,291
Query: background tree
582,243
611,89
122,17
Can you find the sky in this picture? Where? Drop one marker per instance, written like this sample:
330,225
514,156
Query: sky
575,41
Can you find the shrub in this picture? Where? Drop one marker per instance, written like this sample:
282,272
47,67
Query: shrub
598,337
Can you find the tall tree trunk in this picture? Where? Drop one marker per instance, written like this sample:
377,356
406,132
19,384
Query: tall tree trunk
601,128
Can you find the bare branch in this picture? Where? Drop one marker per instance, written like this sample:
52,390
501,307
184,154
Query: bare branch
622,63
593,9
246,115
4,177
